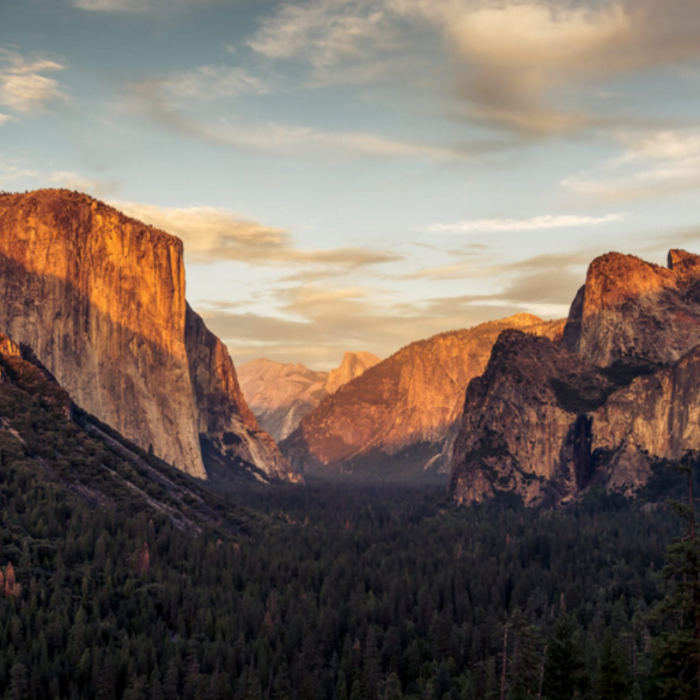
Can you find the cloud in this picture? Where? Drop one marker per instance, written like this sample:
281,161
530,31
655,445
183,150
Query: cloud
284,139
75,181
326,31
516,64
111,5
4,118
23,89
316,323
136,6
212,235
367,318
654,164
213,82
537,223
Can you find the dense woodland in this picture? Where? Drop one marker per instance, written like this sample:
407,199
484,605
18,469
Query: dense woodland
331,592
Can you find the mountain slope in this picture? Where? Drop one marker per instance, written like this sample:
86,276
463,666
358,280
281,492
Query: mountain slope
100,299
280,395
50,440
397,418
539,427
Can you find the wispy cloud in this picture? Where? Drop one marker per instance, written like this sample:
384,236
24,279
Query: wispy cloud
515,63
326,31
213,82
75,181
338,317
23,88
537,223
654,164
136,6
284,139
212,234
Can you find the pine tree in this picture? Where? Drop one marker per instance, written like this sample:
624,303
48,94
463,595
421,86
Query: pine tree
677,652
563,667
613,682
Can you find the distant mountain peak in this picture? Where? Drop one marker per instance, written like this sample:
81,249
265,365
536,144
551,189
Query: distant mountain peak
280,395
397,419
354,364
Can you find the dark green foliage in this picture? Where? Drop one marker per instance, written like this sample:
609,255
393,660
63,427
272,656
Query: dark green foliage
613,681
344,593
677,649
564,674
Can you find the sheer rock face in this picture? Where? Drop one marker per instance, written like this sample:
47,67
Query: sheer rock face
280,395
636,314
634,333
224,418
521,429
656,417
397,418
101,300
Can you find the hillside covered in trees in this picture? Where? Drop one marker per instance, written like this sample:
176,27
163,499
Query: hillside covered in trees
360,594
124,579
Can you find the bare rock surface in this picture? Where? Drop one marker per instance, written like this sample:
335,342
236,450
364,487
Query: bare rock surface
397,419
280,395
100,298
616,396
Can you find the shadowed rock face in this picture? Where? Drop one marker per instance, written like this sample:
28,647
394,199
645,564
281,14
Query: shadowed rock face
397,418
101,300
280,395
521,430
616,395
657,417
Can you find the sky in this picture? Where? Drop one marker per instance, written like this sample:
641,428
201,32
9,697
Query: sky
360,174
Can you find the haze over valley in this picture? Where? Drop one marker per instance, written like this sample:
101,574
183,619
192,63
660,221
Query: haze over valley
349,350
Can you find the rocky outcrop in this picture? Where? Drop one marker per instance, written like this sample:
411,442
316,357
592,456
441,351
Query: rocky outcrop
397,419
225,422
354,365
631,313
100,298
656,418
523,428
616,395
280,395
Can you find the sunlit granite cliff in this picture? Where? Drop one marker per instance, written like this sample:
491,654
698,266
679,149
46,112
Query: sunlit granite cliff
617,395
280,395
400,417
100,298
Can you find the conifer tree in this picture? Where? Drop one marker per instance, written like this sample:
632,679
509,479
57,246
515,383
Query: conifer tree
613,682
563,667
678,648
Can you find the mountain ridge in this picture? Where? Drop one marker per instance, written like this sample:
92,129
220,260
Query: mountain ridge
280,395
396,418
634,328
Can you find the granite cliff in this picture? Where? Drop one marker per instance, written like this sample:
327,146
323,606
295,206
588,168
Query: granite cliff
56,445
100,298
354,365
399,418
615,396
280,395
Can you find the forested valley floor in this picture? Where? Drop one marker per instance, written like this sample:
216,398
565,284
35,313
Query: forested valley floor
365,593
